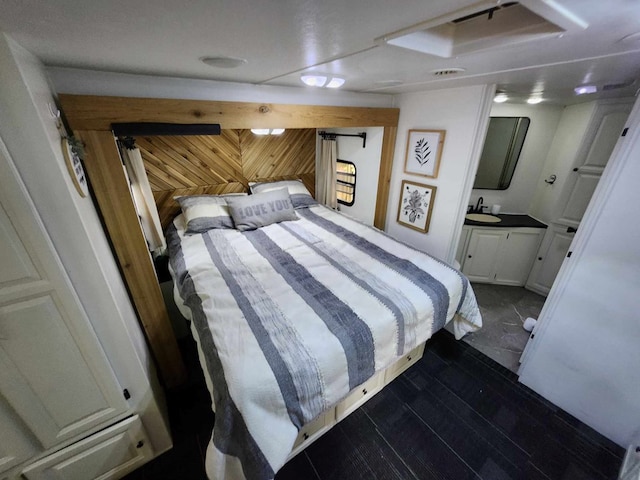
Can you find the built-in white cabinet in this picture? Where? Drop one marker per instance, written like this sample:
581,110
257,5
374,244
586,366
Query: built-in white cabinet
553,250
107,455
593,153
499,255
63,413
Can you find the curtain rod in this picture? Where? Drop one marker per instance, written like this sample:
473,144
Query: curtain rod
153,128
332,136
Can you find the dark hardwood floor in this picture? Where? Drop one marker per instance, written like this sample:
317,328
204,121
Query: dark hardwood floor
455,415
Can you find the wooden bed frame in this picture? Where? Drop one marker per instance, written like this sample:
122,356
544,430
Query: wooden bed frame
91,117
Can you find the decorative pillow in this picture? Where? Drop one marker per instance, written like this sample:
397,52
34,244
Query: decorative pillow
300,196
204,212
261,209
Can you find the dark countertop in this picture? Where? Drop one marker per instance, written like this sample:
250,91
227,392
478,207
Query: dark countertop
509,221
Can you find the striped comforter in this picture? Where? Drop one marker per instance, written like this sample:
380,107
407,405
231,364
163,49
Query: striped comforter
290,317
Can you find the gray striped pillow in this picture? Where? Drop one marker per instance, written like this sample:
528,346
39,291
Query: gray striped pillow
204,212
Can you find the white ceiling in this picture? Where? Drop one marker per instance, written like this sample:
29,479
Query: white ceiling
283,38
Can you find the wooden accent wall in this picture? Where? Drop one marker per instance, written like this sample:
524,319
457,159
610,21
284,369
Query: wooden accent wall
91,117
226,163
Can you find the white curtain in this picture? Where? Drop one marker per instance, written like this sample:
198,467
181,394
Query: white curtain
144,201
326,174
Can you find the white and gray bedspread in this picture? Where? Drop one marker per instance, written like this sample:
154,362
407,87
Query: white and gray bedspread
290,317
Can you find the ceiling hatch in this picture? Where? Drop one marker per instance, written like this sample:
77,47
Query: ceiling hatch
486,25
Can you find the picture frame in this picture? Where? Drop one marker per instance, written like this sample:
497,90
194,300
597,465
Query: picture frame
424,149
415,205
74,166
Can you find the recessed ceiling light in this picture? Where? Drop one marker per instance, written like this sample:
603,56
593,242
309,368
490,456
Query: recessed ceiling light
314,80
500,98
267,131
335,82
224,62
584,89
321,80
535,99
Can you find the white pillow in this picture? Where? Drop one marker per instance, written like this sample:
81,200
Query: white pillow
300,196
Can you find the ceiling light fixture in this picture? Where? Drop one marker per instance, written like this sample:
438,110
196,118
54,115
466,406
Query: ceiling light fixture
500,98
584,89
335,82
224,62
267,131
313,80
534,100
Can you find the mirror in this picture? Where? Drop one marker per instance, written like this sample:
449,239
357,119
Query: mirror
501,151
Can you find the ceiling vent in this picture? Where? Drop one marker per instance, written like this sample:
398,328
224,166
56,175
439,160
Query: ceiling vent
484,25
443,72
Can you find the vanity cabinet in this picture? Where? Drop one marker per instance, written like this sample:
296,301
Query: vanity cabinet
499,255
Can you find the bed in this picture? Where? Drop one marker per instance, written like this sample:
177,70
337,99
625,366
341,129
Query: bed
292,317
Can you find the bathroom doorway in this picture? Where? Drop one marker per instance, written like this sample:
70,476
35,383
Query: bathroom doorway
504,310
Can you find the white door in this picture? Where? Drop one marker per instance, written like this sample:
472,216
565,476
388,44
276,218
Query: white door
54,375
482,254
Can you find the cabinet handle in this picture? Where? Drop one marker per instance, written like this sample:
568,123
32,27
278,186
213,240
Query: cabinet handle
575,169
364,391
469,256
140,444
571,230
305,435
409,358
539,258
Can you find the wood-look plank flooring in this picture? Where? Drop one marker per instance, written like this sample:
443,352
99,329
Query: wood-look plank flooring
455,415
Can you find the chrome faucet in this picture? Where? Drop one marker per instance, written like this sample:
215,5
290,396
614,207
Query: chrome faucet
479,205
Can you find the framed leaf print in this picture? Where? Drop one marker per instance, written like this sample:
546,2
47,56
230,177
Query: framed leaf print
416,204
424,148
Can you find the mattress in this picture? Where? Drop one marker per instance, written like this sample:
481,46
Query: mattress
289,318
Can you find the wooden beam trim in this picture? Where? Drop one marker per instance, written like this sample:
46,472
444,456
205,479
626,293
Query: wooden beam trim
105,171
89,112
384,176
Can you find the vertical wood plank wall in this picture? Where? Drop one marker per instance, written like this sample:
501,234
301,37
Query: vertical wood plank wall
195,165
91,117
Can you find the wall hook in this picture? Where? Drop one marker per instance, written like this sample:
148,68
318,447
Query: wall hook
551,180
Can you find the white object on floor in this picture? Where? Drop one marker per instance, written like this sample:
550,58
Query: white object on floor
529,323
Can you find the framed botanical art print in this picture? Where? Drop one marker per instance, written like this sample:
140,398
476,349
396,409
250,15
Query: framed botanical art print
416,204
424,148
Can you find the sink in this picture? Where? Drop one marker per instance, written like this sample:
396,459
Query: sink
482,217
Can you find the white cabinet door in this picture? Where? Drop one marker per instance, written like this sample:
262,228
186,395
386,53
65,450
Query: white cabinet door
551,254
462,244
109,454
15,446
54,375
482,254
517,255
